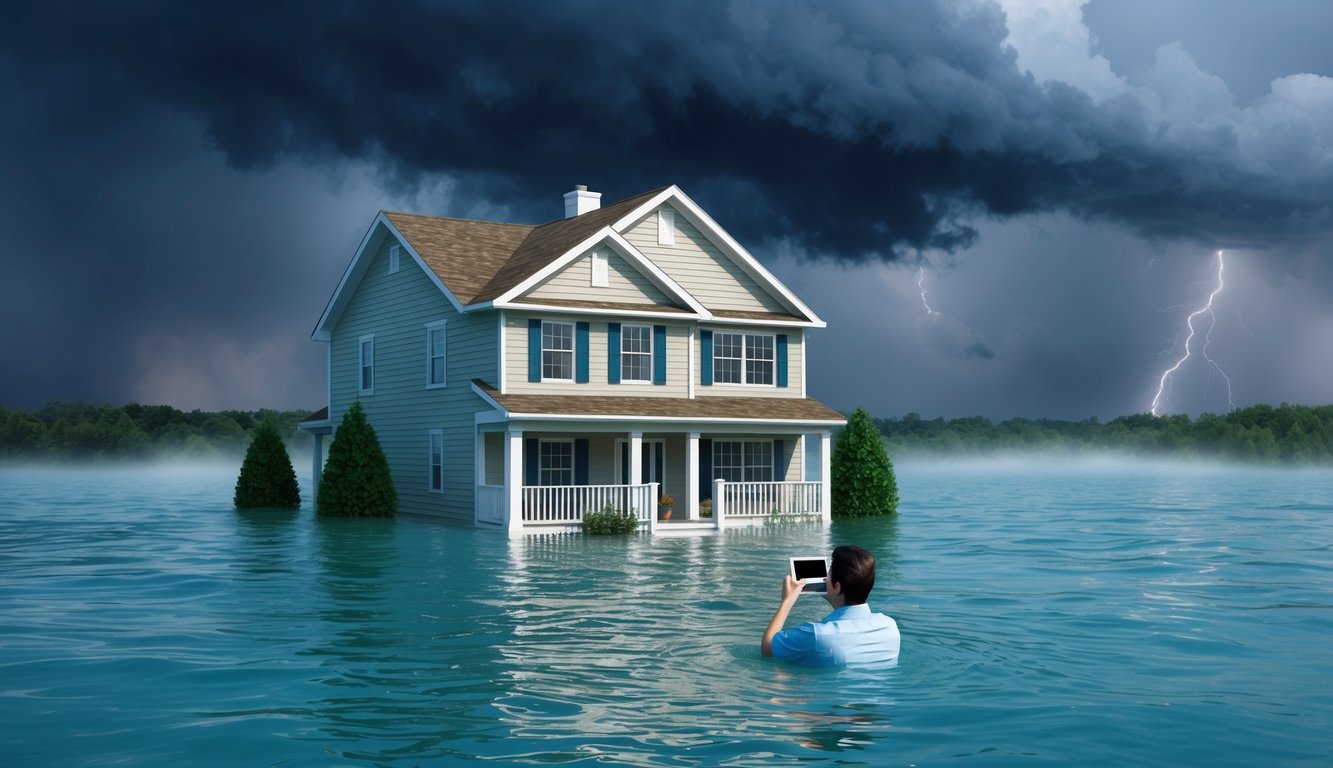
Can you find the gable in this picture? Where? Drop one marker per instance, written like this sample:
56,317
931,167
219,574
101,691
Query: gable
700,266
625,283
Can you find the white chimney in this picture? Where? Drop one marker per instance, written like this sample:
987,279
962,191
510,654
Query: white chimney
580,201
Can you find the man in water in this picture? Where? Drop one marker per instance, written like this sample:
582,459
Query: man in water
850,634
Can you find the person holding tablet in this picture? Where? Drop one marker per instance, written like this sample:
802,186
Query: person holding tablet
851,634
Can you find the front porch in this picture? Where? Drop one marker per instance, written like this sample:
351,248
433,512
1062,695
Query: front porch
544,482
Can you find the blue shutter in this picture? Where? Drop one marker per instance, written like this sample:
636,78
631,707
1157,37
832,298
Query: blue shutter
581,461
581,353
705,358
659,354
531,461
706,469
613,353
779,461
534,349
782,359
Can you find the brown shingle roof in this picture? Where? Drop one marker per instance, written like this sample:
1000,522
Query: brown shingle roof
770,409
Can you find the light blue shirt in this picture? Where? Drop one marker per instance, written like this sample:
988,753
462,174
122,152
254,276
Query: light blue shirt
849,635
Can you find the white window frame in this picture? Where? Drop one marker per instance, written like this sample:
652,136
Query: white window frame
365,370
624,354
431,357
601,270
557,351
666,226
543,468
435,462
395,252
749,450
747,358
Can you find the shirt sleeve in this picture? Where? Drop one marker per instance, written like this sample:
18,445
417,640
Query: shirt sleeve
796,643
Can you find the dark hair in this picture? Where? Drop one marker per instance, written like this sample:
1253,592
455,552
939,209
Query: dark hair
853,568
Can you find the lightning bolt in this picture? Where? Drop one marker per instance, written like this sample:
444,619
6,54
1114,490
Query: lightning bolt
1207,309
921,284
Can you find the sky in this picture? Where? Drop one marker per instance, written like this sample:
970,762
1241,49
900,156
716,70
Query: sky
1005,209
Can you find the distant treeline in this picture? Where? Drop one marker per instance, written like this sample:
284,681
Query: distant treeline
81,431
1285,434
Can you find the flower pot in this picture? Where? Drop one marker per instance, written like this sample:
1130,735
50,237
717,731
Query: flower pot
664,513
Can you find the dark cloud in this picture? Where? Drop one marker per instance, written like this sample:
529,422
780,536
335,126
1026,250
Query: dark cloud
855,128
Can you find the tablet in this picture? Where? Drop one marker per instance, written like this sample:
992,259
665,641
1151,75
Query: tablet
811,570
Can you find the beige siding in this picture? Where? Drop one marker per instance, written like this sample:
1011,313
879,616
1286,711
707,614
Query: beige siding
516,361
395,308
625,283
795,366
700,267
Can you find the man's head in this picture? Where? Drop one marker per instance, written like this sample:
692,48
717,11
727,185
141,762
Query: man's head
853,570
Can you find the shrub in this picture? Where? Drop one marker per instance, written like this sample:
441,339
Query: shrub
267,478
356,481
863,481
609,521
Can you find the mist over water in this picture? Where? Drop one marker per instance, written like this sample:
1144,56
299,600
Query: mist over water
1090,613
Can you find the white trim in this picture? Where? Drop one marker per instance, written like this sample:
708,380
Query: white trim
694,329
573,351
715,320
573,460
651,354
728,245
514,481
503,369
431,327
804,379
430,461
745,345
666,226
361,343
549,309
600,269
645,444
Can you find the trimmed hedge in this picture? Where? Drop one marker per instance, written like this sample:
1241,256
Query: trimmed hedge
863,480
267,478
356,480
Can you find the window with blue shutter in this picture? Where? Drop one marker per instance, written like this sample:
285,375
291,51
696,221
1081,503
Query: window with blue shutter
534,350
581,353
613,353
659,354
782,359
706,358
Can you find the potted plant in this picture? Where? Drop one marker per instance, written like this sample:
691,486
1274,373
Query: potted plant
706,508
664,506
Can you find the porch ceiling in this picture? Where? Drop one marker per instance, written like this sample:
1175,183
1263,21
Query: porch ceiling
766,409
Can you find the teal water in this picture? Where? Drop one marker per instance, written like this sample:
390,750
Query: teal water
1081,614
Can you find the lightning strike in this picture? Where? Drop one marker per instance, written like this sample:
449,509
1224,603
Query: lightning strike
1207,308
921,284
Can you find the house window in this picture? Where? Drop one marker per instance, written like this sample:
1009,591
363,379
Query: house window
743,358
435,354
636,353
601,273
749,461
367,365
437,460
666,227
557,350
394,251
556,464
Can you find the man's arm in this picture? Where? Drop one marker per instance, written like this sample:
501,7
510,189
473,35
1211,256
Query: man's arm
791,589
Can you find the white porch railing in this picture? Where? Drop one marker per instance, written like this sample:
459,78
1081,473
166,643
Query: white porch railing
756,500
565,504
491,504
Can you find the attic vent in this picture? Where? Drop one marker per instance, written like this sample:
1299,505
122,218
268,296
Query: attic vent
601,277
394,250
666,227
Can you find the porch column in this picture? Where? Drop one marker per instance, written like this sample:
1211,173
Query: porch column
514,481
317,468
636,459
826,475
692,475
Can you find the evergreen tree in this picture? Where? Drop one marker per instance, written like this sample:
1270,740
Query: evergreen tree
356,481
267,478
863,481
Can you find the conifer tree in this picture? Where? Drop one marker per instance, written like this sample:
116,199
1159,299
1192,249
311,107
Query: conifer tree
267,478
356,480
863,480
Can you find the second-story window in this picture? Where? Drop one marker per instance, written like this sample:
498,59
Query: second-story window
367,364
435,354
743,358
636,353
557,350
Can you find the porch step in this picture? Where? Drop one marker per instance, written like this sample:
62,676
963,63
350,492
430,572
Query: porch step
685,526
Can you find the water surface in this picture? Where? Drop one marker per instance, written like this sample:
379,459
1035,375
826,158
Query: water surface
1084,614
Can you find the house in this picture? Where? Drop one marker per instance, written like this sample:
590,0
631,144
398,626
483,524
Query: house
518,376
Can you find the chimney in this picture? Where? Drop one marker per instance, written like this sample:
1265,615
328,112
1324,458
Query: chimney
580,201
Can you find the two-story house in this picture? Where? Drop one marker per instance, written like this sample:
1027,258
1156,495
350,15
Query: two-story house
518,376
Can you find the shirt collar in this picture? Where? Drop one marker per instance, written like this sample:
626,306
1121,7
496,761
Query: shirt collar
860,610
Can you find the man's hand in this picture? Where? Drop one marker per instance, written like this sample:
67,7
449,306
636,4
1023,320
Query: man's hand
791,589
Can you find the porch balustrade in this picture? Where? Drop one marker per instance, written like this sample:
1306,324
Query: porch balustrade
491,504
565,504
755,500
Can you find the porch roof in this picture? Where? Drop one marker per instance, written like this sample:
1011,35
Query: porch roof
762,409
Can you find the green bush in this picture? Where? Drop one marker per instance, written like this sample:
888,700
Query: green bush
863,481
356,481
609,521
267,478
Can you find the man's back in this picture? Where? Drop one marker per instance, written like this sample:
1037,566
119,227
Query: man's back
850,634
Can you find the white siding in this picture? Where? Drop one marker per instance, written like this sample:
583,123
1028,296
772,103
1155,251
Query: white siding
396,308
700,267
516,361
626,284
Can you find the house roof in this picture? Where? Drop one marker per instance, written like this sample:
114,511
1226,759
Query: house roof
766,409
